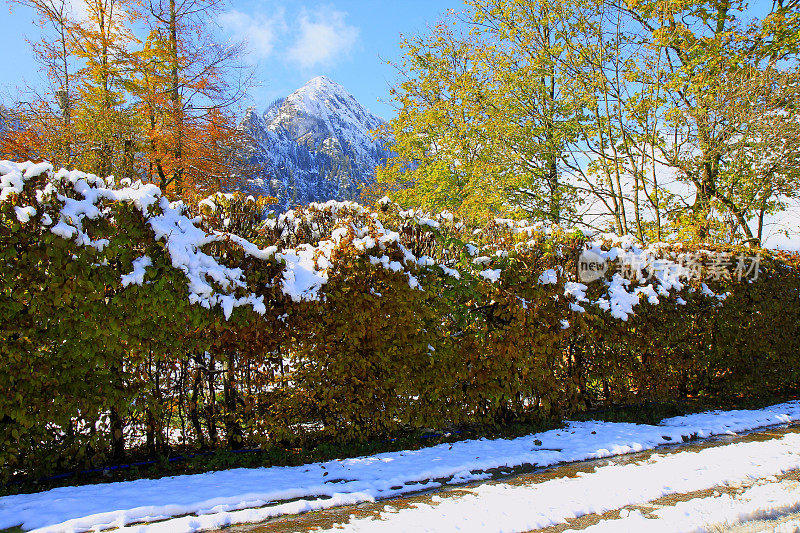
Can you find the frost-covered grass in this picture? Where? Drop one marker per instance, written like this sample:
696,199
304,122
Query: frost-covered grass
190,462
218,499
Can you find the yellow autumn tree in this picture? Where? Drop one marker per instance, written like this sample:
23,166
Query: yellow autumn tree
444,156
188,87
162,108
104,123
587,111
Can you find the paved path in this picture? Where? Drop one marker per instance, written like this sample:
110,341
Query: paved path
785,518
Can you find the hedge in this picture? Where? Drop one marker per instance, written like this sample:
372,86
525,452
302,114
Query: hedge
132,324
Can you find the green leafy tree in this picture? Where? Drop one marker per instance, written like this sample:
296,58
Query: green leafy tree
590,111
487,113
729,87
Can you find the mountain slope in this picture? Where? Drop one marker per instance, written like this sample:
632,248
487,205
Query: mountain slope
314,145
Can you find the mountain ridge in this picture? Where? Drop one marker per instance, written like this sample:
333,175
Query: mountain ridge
316,144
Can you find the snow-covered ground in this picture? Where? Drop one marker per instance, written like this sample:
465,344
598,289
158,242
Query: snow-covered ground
217,499
715,512
510,507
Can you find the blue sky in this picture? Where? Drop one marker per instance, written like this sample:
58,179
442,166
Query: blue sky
290,43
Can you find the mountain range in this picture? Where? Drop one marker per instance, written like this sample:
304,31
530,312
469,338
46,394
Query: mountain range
316,144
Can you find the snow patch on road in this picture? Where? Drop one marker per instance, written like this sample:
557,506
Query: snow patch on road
504,507
714,513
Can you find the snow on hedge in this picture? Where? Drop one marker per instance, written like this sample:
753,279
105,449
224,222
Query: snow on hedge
210,283
657,272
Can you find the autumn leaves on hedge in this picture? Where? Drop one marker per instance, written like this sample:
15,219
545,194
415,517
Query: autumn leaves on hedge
131,323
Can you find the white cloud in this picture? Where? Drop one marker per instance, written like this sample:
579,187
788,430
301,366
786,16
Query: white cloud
318,37
82,11
78,10
324,37
258,30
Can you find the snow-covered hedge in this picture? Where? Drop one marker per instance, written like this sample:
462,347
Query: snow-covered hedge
128,320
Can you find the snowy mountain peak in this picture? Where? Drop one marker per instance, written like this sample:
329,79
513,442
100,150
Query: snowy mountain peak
316,144
322,108
250,115
323,84
322,88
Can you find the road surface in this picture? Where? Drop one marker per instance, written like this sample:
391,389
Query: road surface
728,495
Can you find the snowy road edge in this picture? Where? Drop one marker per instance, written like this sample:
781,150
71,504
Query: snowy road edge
218,499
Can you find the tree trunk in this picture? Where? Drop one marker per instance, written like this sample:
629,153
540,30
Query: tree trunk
176,99
211,405
233,430
117,436
194,411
